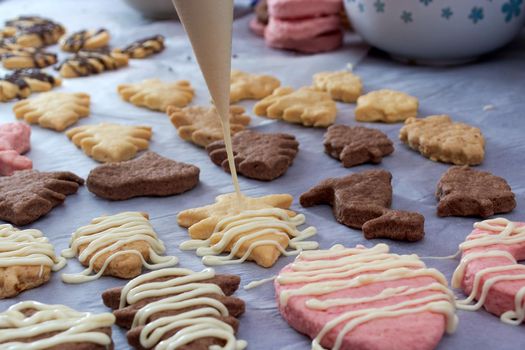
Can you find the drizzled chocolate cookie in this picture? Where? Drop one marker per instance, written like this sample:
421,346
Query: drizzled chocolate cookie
21,83
144,47
12,87
85,40
35,31
27,57
86,63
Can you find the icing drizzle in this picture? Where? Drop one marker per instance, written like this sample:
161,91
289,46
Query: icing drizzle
323,272
107,234
236,232
502,233
72,326
188,289
27,248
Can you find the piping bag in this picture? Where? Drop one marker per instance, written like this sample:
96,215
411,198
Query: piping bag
208,24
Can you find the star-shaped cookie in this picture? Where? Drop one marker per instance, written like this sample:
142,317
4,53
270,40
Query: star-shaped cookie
156,94
341,85
356,145
201,221
246,86
202,125
440,139
388,106
107,142
257,155
147,175
27,195
53,110
463,191
305,106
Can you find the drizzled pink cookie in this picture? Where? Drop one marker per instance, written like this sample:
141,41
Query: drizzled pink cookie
359,298
489,272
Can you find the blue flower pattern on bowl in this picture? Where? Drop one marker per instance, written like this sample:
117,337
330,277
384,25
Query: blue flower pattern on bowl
510,10
476,14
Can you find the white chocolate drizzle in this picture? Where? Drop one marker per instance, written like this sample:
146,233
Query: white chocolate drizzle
107,234
27,248
186,289
237,230
72,326
323,272
500,234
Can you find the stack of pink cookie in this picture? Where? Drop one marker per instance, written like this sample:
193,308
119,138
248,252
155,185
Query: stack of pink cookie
14,141
308,26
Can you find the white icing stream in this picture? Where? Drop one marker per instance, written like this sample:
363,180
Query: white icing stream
186,290
27,248
108,234
501,232
72,326
250,225
327,271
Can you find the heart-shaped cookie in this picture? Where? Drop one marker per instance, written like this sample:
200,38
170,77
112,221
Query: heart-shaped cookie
359,298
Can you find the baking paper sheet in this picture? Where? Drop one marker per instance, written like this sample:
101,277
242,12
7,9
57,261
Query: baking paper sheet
461,92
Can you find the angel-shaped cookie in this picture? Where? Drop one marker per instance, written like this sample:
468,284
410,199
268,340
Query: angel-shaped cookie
257,155
107,142
53,110
156,94
202,125
305,106
258,229
245,86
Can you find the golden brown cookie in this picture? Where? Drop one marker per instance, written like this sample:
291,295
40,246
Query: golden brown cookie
341,85
53,110
246,86
201,221
37,80
202,125
107,142
85,63
27,57
386,106
440,139
305,106
27,260
12,87
87,40
156,94
116,245
34,31
144,47
251,230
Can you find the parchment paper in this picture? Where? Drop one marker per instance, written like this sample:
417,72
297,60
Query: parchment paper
461,92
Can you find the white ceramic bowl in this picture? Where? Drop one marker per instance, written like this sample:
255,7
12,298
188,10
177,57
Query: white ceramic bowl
155,9
437,31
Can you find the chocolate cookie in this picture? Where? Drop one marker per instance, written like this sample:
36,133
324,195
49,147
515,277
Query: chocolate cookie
362,200
356,145
174,303
355,198
463,191
27,195
396,225
257,155
147,175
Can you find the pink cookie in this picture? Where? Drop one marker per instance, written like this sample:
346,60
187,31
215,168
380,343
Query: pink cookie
15,136
365,299
303,8
490,255
323,43
257,27
302,29
11,161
